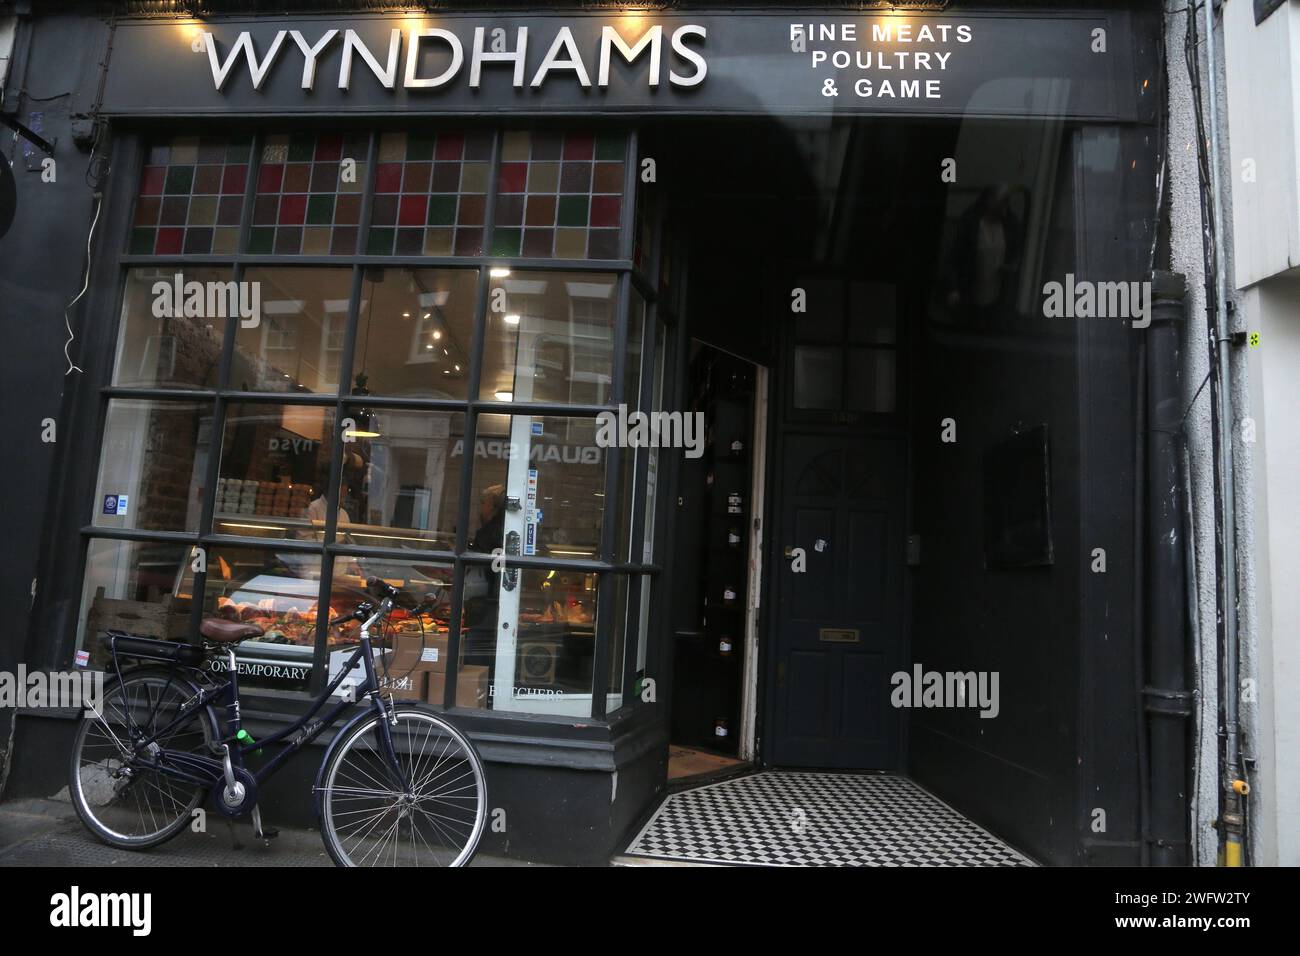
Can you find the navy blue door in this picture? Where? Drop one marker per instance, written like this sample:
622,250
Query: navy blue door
837,634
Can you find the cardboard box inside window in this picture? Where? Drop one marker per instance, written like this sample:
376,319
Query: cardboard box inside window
403,686
471,686
413,654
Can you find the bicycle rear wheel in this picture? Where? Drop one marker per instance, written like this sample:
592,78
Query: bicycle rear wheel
119,797
427,811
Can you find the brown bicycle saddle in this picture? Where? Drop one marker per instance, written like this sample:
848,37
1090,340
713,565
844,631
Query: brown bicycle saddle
221,631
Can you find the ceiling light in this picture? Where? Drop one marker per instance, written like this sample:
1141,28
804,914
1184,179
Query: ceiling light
427,314
499,272
458,368
505,396
512,319
406,315
437,333
429,348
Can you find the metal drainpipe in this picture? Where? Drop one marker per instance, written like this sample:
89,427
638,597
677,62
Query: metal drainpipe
1167,701
1234,786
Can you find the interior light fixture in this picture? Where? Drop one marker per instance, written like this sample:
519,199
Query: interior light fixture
406,315
505,396
498,272
512,319
437,334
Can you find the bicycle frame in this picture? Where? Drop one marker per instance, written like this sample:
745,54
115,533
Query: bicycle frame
210,770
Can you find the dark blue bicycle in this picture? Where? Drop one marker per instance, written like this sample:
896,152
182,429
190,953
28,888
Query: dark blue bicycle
399,785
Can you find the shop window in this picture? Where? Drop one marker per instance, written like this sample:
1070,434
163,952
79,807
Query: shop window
191,196
158,345
430,194
136,587
274,471
559,195
309,190
414,333
845,354
401,482
550,337
633,455
296,344
539,486
279,592
529,634
152,465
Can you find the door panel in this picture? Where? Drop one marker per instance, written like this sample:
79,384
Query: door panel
838,624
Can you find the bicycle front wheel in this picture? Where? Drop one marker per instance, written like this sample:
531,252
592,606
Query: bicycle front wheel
425,809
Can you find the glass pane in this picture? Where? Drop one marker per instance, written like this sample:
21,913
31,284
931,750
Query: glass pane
430,194
559,195
412,662
171,330
153,465
824,319
277,591
870,386
191,196
297,344
550,337
531,634
138,587
309,191
401,489
554,471
873,313
414,334
619,642
817,374
274,470
630,456
652,463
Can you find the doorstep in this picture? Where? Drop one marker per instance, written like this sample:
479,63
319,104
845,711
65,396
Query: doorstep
804,818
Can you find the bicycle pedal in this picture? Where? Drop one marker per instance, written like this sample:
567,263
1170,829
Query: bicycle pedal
268,833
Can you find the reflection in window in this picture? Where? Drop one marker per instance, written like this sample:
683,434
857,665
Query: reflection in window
297,344
541,479
171,350
530,636
403,489
550,337
415,331
137,587
274,471
152,465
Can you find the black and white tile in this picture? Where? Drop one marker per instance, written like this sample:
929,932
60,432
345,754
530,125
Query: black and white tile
787,818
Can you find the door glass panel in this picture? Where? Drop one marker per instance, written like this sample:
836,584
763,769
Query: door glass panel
870,385
817,373
873,317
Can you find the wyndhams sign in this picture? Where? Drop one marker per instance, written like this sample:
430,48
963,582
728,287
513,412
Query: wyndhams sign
795,63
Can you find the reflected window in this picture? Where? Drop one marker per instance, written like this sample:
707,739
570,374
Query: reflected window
550,337
171,329
153,465
414,332
136,587
297,343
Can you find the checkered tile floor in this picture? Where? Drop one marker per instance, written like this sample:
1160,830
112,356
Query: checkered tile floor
817,819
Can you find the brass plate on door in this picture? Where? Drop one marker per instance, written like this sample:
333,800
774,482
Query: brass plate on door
838,635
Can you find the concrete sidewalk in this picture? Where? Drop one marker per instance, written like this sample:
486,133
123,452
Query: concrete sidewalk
48,833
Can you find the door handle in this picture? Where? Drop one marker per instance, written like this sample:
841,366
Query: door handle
511,574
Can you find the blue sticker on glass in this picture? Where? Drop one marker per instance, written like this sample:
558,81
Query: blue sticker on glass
537,428
110,504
